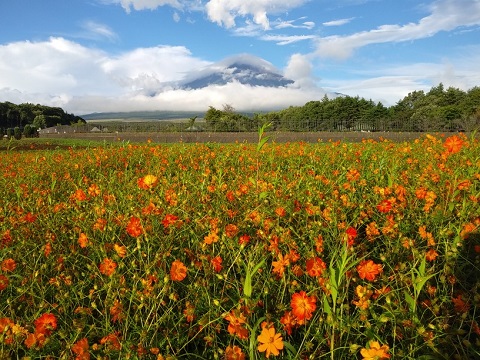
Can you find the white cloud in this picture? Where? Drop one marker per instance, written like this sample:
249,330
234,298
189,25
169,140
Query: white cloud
282,24
445,15
286,39
224,12
338,22
98,30
391,83
241,97
62,73
146,4
300,69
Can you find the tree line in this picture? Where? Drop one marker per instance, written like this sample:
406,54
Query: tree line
25,119
439,109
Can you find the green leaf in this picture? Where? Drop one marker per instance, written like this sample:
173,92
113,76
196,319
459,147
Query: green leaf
410,301
326,306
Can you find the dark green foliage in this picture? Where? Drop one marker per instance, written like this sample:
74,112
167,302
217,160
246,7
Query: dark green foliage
17,133
12,115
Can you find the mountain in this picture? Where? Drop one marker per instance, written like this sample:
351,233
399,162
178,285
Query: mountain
245,69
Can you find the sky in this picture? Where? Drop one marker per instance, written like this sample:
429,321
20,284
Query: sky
124,55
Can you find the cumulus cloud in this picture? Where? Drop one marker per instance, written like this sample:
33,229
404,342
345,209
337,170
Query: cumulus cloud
59,72
300,69
445,15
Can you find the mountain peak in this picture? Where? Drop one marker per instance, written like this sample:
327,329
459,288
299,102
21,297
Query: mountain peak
244,68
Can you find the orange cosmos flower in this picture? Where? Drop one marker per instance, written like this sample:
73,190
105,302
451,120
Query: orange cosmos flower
212,237
270,341
3,282
147,182
83,240
120,250
112,342
79,195
375,351
279,266
453,144
178,271
431,255
315,266
107,267
189,312
303,306
280,211
80,348
231,230
116,311
169,219
367,269
47,249
460,305
289,322
234,353
45,324
134,227
236,324
385,206
94,190
8,265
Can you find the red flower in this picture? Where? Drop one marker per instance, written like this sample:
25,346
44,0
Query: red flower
303,306
178,271
134,227
367,269
351,235
315,266
45,324
217,263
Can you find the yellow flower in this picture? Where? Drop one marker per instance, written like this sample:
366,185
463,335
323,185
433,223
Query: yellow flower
270,342
375,351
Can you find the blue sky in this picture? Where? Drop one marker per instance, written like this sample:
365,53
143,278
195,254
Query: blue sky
112,55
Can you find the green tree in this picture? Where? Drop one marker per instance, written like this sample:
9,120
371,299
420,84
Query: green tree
17,133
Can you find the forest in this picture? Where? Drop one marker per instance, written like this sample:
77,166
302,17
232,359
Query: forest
27,118
439,109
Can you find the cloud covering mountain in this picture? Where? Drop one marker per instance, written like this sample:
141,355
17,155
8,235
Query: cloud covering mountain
244,69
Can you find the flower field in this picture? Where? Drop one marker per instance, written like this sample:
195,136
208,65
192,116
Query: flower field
332,250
